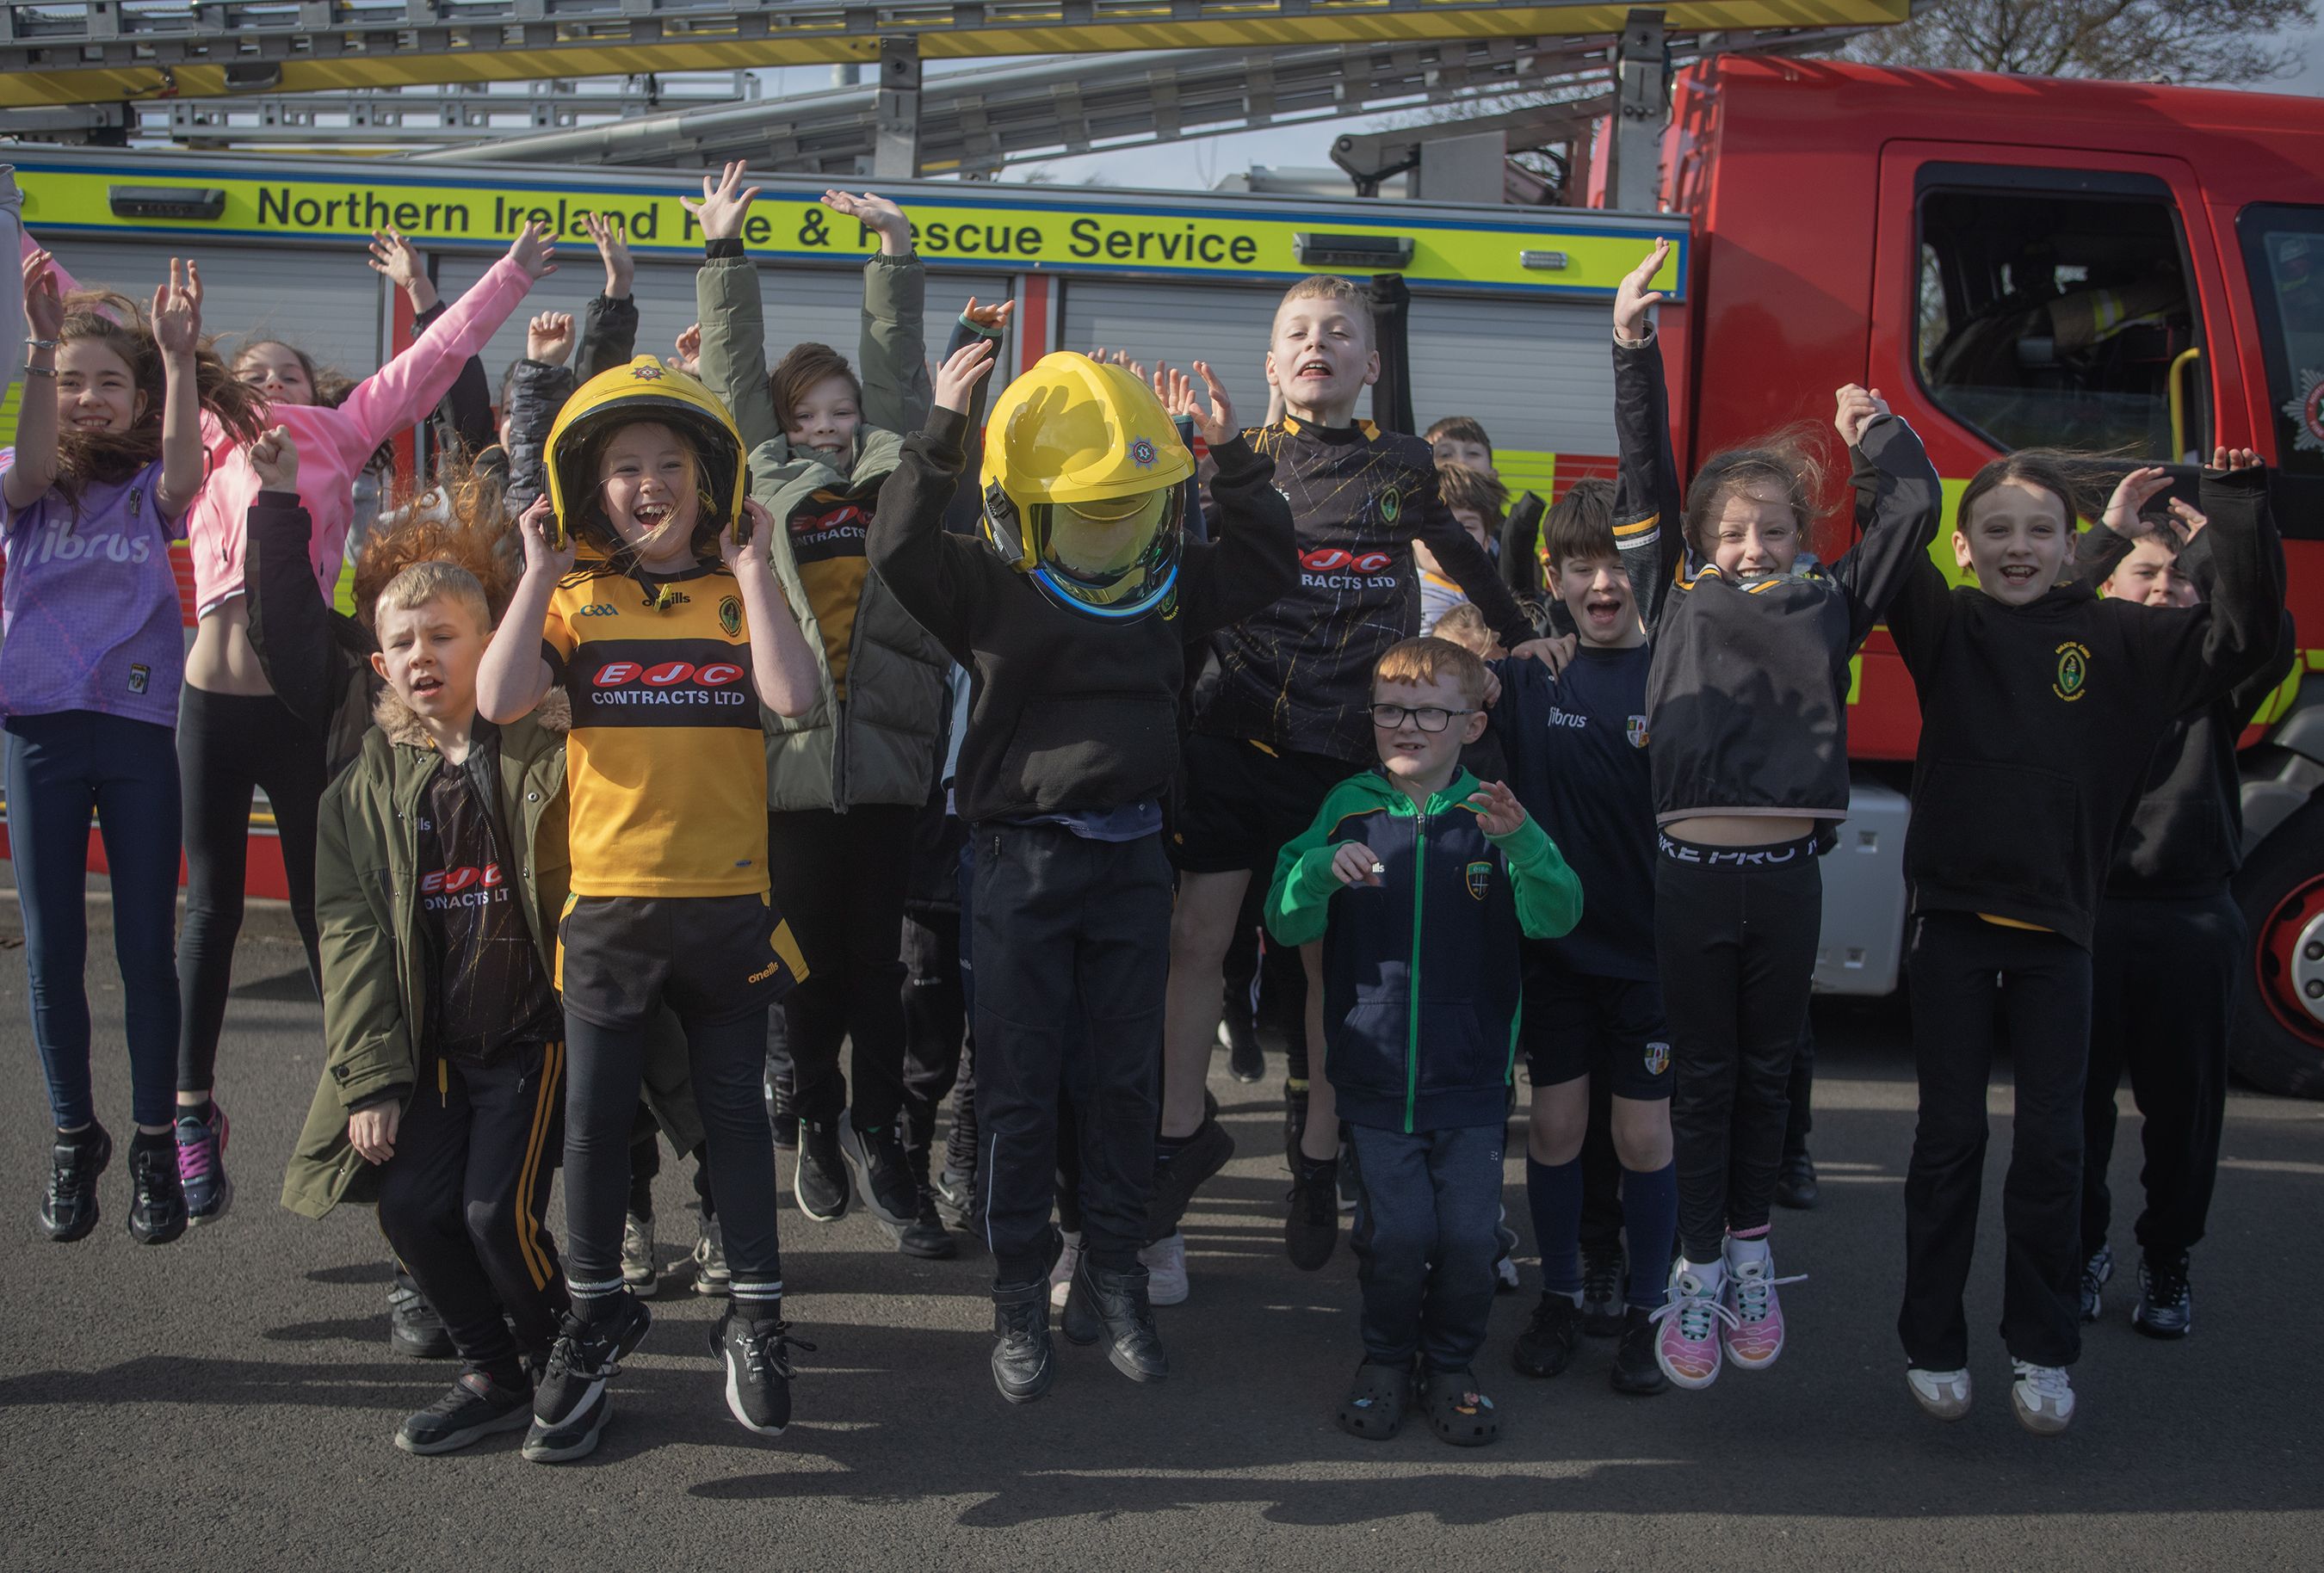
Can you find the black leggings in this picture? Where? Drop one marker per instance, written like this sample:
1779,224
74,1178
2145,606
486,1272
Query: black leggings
228,745
1736,940
840,880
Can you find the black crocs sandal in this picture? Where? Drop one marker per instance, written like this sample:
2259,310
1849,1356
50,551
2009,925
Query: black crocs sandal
1457,1412
1376,1402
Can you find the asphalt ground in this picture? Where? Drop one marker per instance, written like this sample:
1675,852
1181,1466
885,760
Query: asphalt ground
227,1400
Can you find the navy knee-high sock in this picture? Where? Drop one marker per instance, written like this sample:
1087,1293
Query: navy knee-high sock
1649,1229
1555,1194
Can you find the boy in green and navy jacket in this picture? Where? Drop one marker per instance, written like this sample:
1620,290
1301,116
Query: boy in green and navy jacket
1419,880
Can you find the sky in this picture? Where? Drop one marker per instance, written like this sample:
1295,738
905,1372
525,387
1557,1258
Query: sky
1199,164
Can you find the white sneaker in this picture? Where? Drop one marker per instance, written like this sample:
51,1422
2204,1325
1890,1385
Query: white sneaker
1943,1394
2043,1398
1061,1276
638,1268
1164,1262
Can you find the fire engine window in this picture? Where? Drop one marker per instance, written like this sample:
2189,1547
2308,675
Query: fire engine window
2284,249
2053,318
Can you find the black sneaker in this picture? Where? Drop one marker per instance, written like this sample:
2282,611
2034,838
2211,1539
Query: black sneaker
819,1181
1546,1346
1311,1220
782,1114
1294,1125
1636,1369
1245,1062
572,1403
1023,1363
2096,1271
757,1354
1795,1181
926,1236
414,1330
477,1407
68,1206
1115,1305
157,1195
2166,1305
1206,1153
1602,1287
955,1196
883,1175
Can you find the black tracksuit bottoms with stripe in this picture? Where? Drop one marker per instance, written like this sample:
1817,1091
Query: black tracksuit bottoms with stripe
464,1201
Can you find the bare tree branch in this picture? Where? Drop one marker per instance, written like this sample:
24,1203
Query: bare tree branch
2185,41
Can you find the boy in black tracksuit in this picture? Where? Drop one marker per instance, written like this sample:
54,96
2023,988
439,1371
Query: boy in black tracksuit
1071,739
2042,705
1419,882
2167,901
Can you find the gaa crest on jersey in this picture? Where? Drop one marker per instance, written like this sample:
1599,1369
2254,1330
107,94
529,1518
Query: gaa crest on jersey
1480,879
2073,671
1657,1058
1391,504
1636,731
730,617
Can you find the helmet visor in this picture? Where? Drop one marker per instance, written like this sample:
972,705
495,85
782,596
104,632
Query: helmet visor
1104,553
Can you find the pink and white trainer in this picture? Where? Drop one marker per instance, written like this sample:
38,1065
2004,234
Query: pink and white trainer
1755,1327
1687,1344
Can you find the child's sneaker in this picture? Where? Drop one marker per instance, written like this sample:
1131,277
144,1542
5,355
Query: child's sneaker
1061,1272
2166,1305
639,1269
68,1208
477,1407
1311,1215
1164,1262
757,1354
1687,1347
1602,1286
1546,1346
1636,1369
2095,1274
955,1193
414,1330
570,1405
2042,1396
1459,1413
157,1197
201,1165
1943,1394
710,1273
1755,1332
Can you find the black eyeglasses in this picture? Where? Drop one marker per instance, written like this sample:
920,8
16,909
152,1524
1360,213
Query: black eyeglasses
1426,717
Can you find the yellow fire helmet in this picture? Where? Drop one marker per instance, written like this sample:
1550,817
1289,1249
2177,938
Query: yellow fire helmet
644,390
1083,479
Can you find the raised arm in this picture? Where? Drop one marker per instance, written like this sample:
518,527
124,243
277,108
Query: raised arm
928,569
292,625
609,326
1649,535
538,385
891,352
1252,557
35,469
177,315
734,362
2198,657
464,418
1899,505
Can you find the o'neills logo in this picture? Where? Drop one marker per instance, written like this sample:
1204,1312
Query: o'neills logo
670,683
1338,568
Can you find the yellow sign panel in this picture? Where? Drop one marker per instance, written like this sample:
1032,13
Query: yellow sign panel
1037,232
481,54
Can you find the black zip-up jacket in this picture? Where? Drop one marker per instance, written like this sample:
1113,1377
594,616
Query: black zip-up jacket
1066,713
1297,673
2039,722
1747,698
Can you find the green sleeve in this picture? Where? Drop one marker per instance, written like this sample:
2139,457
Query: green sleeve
735,347
891,356
368,1043
1298,899
1548,892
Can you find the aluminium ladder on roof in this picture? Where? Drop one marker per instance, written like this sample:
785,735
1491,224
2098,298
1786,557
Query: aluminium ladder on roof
58,51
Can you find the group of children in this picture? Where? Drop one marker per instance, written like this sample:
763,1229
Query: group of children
796,669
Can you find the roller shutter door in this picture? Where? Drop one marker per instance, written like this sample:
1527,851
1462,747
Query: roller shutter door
324,301
824,305
1223,324
1539,375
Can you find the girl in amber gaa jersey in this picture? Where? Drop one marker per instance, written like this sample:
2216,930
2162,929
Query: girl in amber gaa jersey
661,618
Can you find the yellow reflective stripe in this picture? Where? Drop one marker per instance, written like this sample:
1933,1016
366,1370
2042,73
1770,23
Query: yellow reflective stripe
544,1115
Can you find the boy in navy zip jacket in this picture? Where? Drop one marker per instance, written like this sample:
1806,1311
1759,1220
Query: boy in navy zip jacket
1435,877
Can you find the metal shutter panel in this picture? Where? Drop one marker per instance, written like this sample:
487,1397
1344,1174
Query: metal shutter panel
1227,326
1538,375
325,302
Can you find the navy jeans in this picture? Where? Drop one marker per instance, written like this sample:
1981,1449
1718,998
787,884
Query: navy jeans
1428,1212
60,768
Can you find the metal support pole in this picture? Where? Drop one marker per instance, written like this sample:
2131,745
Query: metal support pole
1642,91
896,147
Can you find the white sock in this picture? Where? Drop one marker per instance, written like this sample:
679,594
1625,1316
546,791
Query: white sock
1739,1252
1710,1273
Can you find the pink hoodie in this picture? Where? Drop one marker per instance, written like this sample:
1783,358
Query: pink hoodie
334,445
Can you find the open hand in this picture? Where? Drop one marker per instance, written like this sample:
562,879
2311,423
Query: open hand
613,242
1355,863
178,311
2232,459
274,459
1637,295
535,252
1215,424
878,215
372,1132
992,319
689,358
399,262
543,554
44,307
1857,407
1498,812
549,337
960,375
725,201
2131,495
